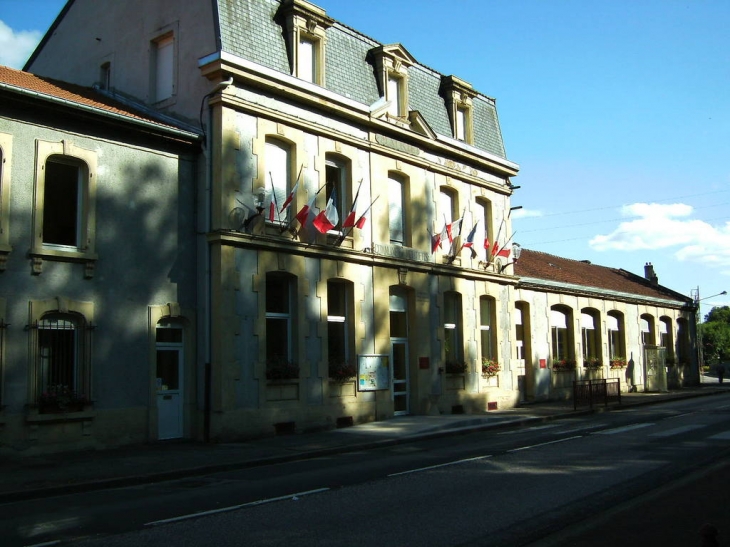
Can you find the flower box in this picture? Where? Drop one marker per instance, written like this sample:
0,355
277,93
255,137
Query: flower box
490,367
563,365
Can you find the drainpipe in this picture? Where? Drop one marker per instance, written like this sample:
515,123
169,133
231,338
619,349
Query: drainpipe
207,208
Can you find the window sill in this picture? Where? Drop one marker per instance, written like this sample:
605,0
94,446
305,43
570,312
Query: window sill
34,416
63,255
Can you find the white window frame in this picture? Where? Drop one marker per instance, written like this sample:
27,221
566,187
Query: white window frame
278,156
396,211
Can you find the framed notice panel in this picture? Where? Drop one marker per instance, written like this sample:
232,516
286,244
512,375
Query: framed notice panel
373,373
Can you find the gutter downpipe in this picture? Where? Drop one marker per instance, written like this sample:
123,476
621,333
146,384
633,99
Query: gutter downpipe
207,208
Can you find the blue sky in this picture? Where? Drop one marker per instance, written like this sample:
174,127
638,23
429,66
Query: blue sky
617,111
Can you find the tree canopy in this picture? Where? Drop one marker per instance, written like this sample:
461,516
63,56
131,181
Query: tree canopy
715,333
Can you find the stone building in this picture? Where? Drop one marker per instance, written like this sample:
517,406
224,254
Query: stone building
289,226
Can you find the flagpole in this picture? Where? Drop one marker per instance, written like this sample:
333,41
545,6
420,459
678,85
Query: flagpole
352,210
342,237
273,196
496,242
505,243
291,220
451,250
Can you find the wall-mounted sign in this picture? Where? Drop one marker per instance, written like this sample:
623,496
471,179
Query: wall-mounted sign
543,363
373,373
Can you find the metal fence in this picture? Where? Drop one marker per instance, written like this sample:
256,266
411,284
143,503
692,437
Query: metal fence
590,392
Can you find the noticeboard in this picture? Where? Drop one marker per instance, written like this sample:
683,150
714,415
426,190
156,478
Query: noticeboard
373,373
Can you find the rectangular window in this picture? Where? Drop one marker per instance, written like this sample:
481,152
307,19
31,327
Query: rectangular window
519,334
395,211
461,124
339,323
395,95
485,327
62,203
453,350
306,59
164,56
277,163
105,75
278,317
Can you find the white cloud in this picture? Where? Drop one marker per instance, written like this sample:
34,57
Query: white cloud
525,213
664,226
16,46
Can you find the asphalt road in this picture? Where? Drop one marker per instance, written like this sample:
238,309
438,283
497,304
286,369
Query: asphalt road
629,477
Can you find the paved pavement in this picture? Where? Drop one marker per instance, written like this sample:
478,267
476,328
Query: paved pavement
28,477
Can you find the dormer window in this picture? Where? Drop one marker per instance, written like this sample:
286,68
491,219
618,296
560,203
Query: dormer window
305,26
391,67
394,94
458,96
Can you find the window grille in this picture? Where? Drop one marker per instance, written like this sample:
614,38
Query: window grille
61,349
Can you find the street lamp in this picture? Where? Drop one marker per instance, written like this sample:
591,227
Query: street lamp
698,328
516,252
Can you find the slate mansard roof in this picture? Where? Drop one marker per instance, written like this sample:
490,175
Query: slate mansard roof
83,98
248,29
541,269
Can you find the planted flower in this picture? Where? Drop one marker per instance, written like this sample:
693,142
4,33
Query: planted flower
490,367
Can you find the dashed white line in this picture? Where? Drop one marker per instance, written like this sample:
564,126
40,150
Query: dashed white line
622,429
418,470
724,436
546,443
234,507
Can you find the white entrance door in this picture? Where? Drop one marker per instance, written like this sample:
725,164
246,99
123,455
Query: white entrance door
399,371
169,383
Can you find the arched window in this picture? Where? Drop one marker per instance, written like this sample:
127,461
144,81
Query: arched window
397,217
590,324
278,168
337,186
561,334
648,337
64,201
616,340
62,348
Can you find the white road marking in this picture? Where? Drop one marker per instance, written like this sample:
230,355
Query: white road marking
546,443
622,429
724,436
45,544
440,465
534,428
234,507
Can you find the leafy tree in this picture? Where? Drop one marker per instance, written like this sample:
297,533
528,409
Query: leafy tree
715,333
718,314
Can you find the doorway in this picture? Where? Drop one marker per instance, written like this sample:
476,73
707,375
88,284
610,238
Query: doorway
399,358
169,380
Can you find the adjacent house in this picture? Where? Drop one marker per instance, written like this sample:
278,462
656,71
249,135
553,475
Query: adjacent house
97,246
266,221
577,320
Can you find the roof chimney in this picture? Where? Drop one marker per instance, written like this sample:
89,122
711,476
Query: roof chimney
649,273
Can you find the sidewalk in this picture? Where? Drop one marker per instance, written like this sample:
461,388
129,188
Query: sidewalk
28,477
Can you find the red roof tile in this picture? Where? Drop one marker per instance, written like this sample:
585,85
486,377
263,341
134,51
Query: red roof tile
76,94
547,267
